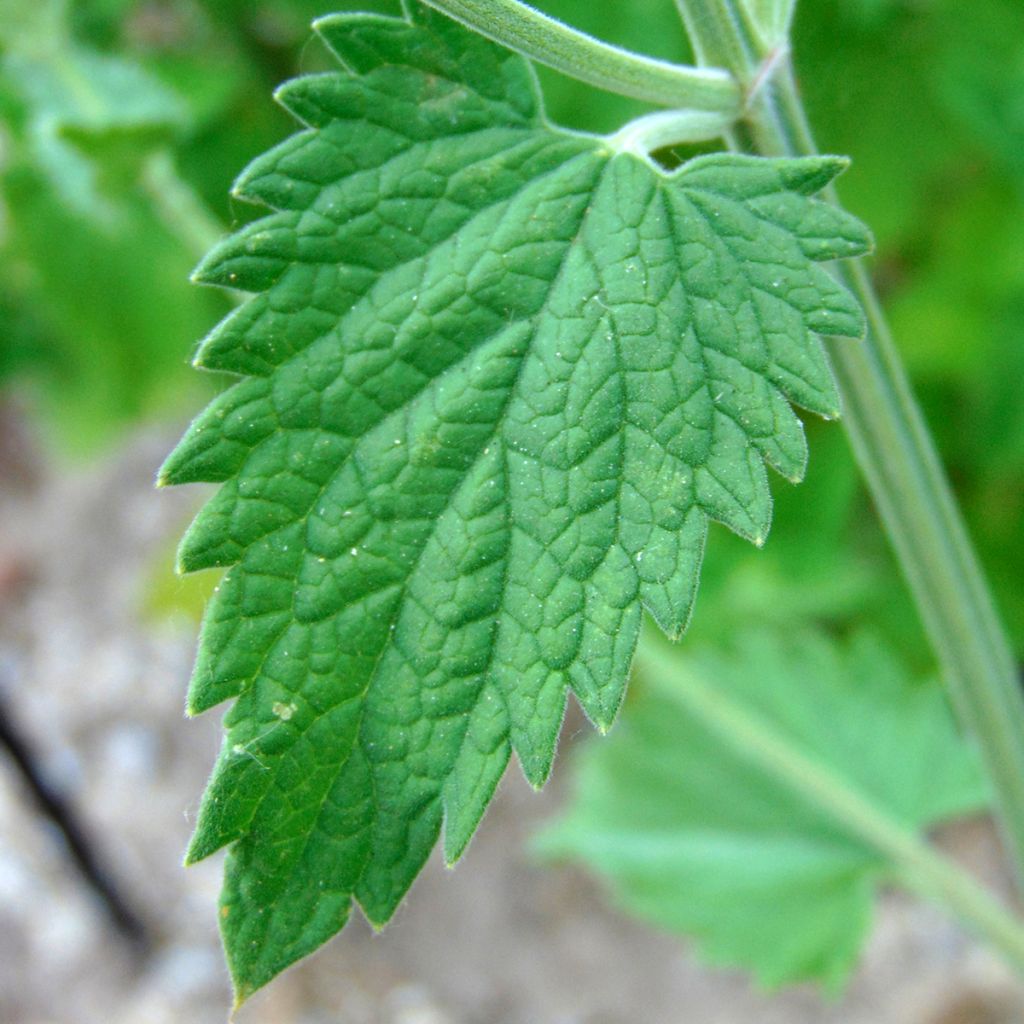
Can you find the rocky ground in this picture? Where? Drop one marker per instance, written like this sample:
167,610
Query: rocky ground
98,690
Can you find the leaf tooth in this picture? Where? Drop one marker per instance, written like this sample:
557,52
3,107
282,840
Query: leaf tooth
785,448
437,47
257,337
749,177
752,401
609,627
732,485
538,636
798,365
210,686
248,613
221,820
598,682
483,757
669,570
254,258
837,312
218,440
534,742
208,542
273,178
363,42
316,100
809,175
823,230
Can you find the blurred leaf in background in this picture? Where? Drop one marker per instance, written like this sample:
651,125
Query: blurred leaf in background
692,830
92,269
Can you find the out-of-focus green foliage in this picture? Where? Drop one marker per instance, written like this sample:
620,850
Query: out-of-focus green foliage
694,831
92,270
928,99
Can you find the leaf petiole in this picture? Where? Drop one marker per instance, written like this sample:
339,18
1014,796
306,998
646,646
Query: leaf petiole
547,41
668,128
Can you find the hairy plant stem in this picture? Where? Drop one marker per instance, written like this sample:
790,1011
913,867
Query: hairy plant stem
581,56
669,128
914,862
894,449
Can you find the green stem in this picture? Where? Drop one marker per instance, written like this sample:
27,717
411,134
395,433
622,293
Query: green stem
917,865
904,474
178,206
574,53
721,35
664,128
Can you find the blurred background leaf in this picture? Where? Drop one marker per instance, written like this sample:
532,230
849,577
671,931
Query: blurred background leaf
679,816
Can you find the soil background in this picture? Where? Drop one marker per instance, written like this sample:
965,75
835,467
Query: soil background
96,686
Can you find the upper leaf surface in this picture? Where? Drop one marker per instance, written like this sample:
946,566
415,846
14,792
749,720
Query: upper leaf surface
694,835
499,378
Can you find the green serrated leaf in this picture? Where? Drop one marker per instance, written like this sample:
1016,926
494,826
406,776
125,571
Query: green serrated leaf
693,834
499,377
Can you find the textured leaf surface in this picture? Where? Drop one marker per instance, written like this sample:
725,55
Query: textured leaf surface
694,835
499,377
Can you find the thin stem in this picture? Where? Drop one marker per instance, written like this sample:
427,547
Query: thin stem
664,128
178,206
901,467
722,35
574,53
772,18
916,864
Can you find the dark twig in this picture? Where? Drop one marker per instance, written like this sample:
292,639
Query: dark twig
59,810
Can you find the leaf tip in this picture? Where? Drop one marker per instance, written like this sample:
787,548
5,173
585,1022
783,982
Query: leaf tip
326,22
166,475
536,775
239,996
454,845
376,923
201,272
193,854
836,164
281,93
